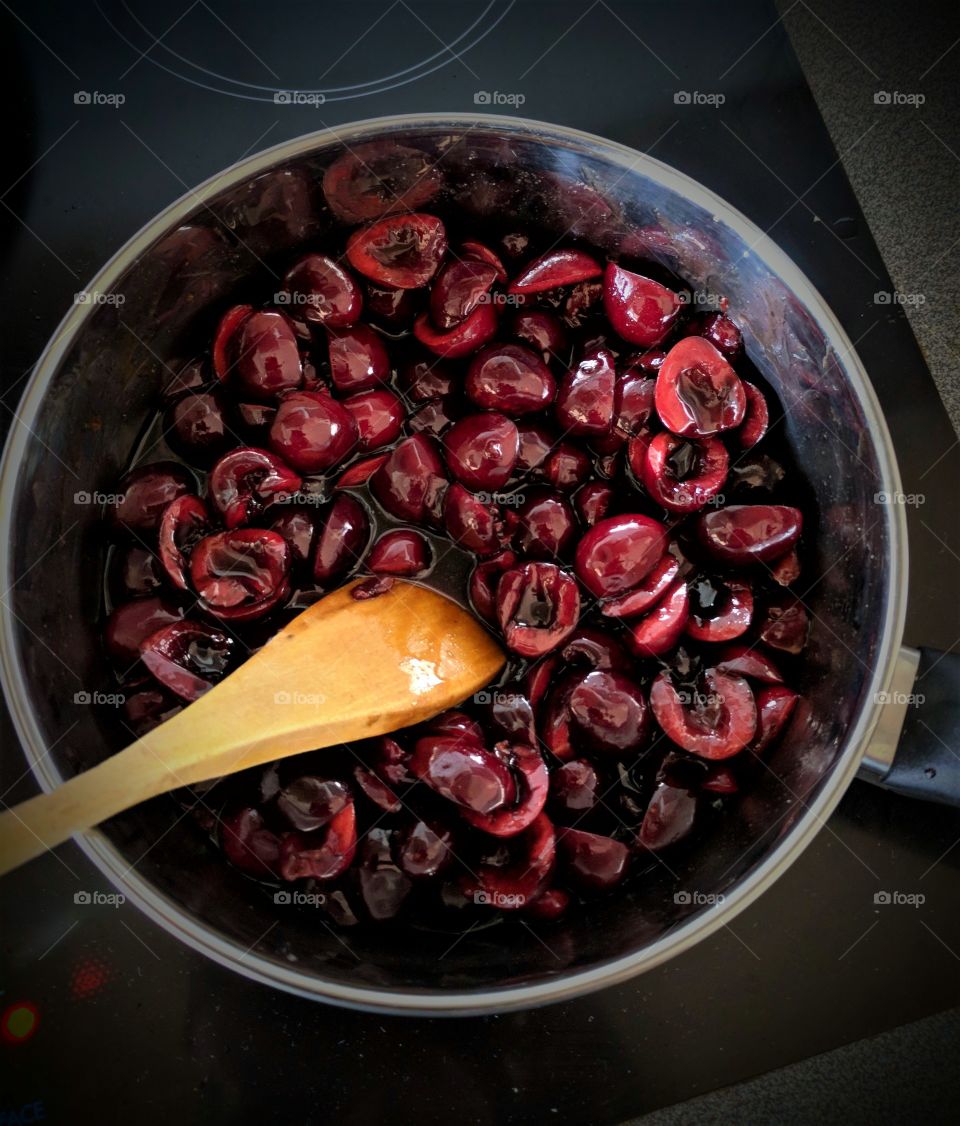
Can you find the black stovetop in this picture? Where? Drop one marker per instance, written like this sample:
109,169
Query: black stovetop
133,1026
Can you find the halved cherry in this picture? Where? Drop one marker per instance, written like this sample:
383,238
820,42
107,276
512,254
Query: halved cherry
465,338
379,417
267,359
592,502
404,251
358,359
342,541
720,609
463,772
594,648
646,594
361,471
478,252
196,428
383,887
249,844
223,353
184,523
661,628
698,394
145,492
714,721
610,714
510,378
483,582
481,450
322,292
592,862
565,266
587,397
683,474
241,574
541,331
302,855
533,785
411,482
746,660
749,533
641,310
187,657
458,289
516,884
313,432
618,553
775,705
786,626
134,572
537,608
509,715
669,817
400,552
245,481
132,622
372,179
471,522
755,419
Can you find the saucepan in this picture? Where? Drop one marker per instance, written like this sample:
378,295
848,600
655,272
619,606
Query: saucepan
153,304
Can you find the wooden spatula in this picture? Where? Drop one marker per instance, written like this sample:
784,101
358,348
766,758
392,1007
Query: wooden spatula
345,669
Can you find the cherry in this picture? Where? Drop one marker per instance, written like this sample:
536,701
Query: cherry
541,331
566,266
682,474
377,790
641,310
636,401
610,714
536,440
145,492
132,623
195,427
360,472
593,502
715,722
458,289
299,529
400,552
457,723
544,525
748,661
434,416
592,862
223,351
471,334
720,610
537,608
509,716
659,630
266,356
510,378
512,886
411,481
722,333
478,252
187,657
618,553
534,783
586,400
184,523
342,541
698,394
471,522
309,802
747,533
404,251
249,844
323,292
574,788
313,432
241,574
394,309
246,481
756,418
424,380
645,595
566,466
538,679
426,851
358,359
325,856
785,626
371,179
483,582
669,817
135,572
378,416
481,450
463,772
594,648
645,364
775,705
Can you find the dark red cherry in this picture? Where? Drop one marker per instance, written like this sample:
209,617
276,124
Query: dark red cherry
422,380
775,705
371,179
246,481
132,623
565,266
618,553
313,432
360,472
756,418
481,450
426,850
509,716
465,338
645,595
463,772
374,787
188,657
195,427
636,395
411,482
542,332
720,610
322,292
472,522
458,724
669,817
241,574
145,492
184,523
249,844
586,400
403,251
267,359
646,364
483,582
698,393
539,678
641,310
592,862
135,572
537,608
748,661
378,415
303,855
510,378
722,333
595,648
434,416
566,466
748,533
592,502
478,252
659,630
358,359
610,714
682,474
223,353
299,528
309,802
533,786
400,552
458,289
785,626
394,309
715,720
342,541
536,440
544,525
574,788
511,886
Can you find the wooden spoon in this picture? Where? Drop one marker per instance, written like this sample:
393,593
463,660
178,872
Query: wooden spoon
344,669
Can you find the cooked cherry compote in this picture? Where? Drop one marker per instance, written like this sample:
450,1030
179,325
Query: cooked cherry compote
587,449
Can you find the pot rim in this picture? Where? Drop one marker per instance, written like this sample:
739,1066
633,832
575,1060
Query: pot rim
565,986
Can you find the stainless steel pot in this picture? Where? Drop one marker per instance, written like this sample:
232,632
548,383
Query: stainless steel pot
80,419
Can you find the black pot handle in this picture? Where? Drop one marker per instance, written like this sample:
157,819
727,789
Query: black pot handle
916,750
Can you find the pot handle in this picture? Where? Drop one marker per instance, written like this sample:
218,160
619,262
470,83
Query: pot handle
916,748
